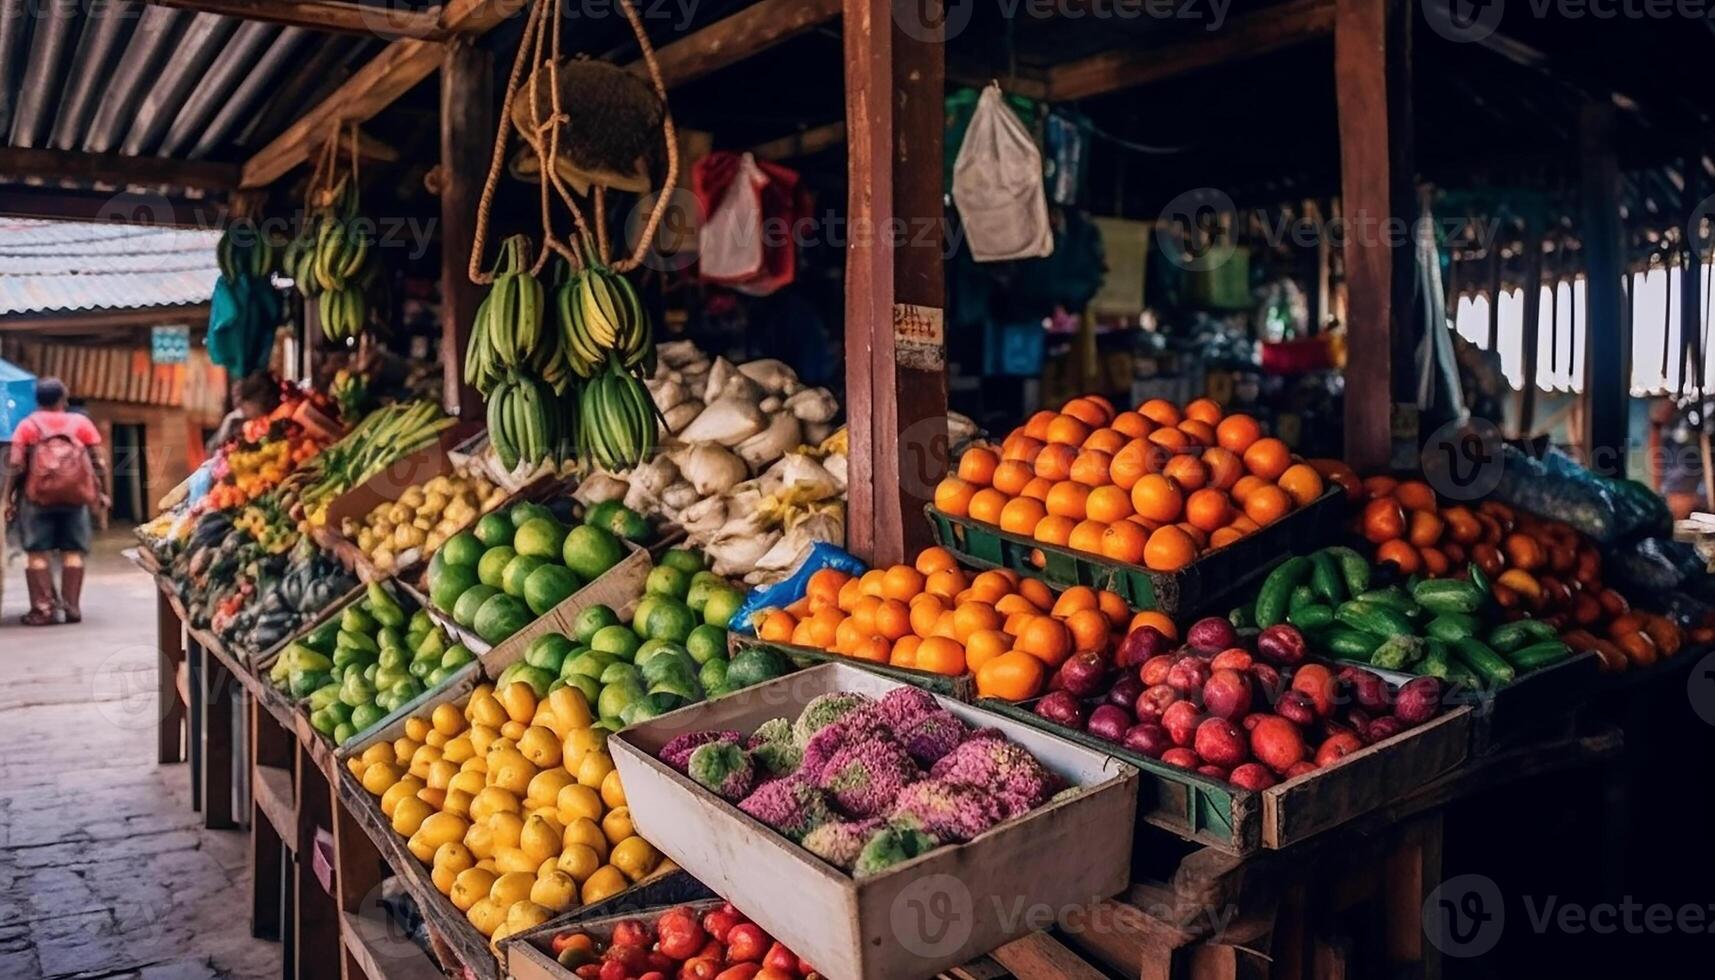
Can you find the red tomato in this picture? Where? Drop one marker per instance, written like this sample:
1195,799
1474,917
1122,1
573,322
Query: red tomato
747,943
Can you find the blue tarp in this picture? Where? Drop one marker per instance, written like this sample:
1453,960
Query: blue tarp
17,397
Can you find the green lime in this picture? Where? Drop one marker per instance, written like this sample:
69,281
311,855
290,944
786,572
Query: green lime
541,537
618,641
669,619
463,548
685,560
445,588
592,619
526,511
471,600
492,567
494,530
517,570
500,616
668,581
722,605
590,551
548,586
706,643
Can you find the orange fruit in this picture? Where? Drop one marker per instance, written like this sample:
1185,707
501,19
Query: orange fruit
946,582
1102,402
848,636
799,608
1415,495
934,558
1338,473
1131,462
1197,534
905,651
1435,561
1108,504
1036,427
939,655
1223,536
953,496
1106,440
970,617
901,582
1156,618
1021,447
1187,471
1087,537
870,582
1268,458
1245,485
1073,599
946,626
1091,467
1160,411
1400,553
1069,499
925,611
1235,433
1037,591
1423,528
1090,631
777,626
977,465
803,634
986,505
863,614
1171,439
1113,606
1169,549
989,586
1068,429
1124,541
1267,504
850,593
1244,525
892,619
1055,461
1204,410
1037,488
1054,529
1201,434
1302,483
1132,425
1380,486
1012,676
1015,622
1045,638
1086,411
824,584
1157,498
1225,467
874,649
1011,476
1021,514
1013,602
1208,509
985,645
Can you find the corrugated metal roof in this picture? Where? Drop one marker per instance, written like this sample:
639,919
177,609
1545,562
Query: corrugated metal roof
63,266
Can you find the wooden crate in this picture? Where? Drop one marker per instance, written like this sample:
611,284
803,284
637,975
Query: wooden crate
1066,853
530,957
620,588
1240,821
962,688
1199,587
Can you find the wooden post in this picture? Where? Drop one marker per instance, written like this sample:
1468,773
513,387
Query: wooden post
1531,291
1372,82
1608,343
896,385
467,136
170,642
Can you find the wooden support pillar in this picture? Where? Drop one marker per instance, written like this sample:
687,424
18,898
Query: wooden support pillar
1531,292
896,382
1372,83
1607,350
170,642
467,137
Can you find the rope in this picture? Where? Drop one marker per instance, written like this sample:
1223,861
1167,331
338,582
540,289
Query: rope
667,134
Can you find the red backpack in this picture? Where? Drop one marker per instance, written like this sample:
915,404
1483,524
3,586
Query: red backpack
60,473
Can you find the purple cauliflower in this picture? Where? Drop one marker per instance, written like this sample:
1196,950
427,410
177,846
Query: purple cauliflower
947,811
1001,768
931,736
677,753
856,728
774,748
825,709
723,768
904,705
864,777
839,842
790,805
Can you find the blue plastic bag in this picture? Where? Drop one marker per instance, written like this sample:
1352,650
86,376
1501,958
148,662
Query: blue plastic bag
792,588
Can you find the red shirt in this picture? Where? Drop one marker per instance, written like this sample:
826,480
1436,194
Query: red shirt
40,424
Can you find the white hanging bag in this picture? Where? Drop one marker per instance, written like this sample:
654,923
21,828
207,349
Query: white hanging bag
997,185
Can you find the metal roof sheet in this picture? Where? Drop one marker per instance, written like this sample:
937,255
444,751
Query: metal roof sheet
61,266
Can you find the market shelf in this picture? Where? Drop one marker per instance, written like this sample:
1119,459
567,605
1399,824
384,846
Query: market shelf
272,791
394,962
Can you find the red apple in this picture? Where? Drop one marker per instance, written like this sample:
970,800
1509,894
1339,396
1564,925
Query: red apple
1281,644
1296,707
1268,682
1154,670
1124,692
1213,771
1211,635
1084,674
1277,743
1369,690
1108,722
1181,719
1153,703
1188,675
1221,742
1140,645
1232,658
1062,708
1182,757
1385,728
1147,740
1227,694
1299,768
1336,747
1252,776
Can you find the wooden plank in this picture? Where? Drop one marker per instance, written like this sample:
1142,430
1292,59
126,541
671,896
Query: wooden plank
802,144
170,641
372,88
467,136
315,916
1608,343
375,949
1040,956
333,16
217,757
22,162
1242,37
756,28
895,290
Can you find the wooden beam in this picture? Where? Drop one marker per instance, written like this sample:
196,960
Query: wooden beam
372,88
1287,24
1608,344
896,385
467,131
755,29
22,163
335,16
802,144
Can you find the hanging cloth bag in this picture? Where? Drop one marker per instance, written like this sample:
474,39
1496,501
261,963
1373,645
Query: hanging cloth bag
997,186
730,242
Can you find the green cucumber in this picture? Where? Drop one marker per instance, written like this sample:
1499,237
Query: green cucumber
1437,659
1446,595
1393,597
1398,652
1311,616
1271,599
1302,595
1539,655
1487,664
1452,626
1479,578
1354,568
1521,633
1349,644
1325,578
1374,618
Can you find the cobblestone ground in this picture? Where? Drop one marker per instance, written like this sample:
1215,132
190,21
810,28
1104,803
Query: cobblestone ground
105,871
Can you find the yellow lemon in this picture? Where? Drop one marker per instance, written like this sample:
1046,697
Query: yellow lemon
607,880
486,915
467,781
527,915
453,854
443,828
578,743
447,719
481,736
570,710
541,837
483,689
594,768
436,798
491,800
379,752
487,864
443,879
440,774
519,700
579,861
545,787
409,814
617,824
379,777
509,770
500,933
420,849
635,856
612,793
458,749
511,887
480,840
486,711
470,885
510,859
555,891
457,801
514,730
539,745
404,748
477,764
425,756
508,828
406,786
416,728
577,800
584,831
434,738
356,765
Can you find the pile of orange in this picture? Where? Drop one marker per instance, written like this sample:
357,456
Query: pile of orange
1008,630
1157,487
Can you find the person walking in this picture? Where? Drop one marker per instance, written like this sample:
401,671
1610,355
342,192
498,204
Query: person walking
53,476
